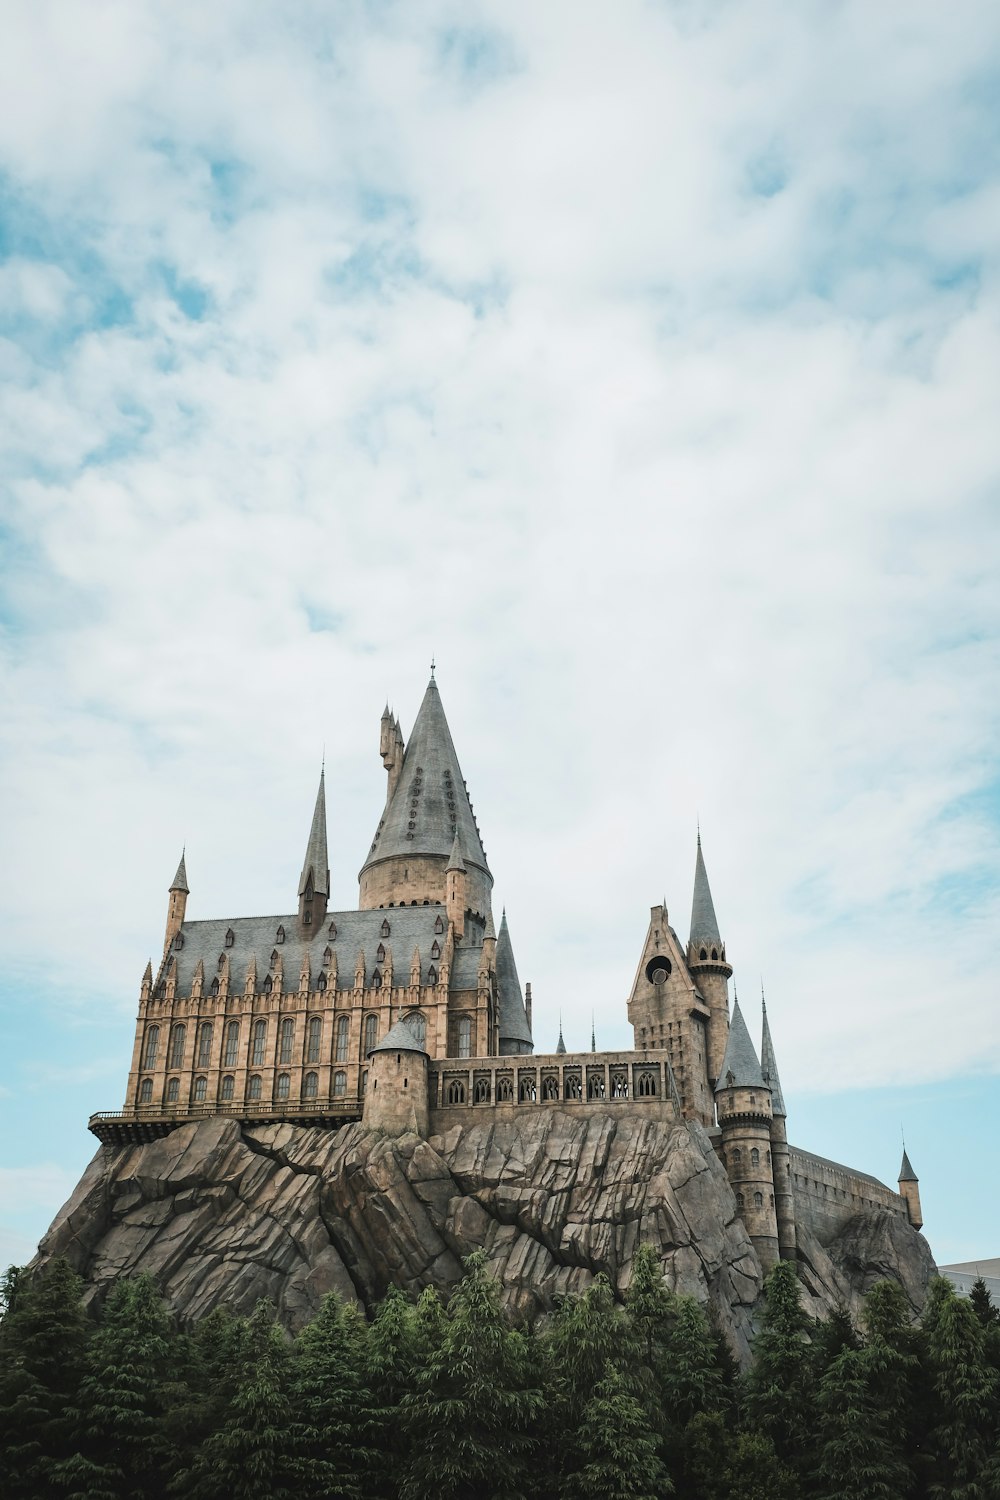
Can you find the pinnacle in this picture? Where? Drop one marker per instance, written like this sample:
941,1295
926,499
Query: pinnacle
316,862
180,881
704,923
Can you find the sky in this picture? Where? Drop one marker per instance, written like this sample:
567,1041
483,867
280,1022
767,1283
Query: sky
638,362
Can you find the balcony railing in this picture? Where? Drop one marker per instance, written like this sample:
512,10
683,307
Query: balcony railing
143,1122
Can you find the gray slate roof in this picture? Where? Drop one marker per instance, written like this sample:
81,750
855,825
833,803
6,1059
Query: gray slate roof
180,880
769,1068
906,1172
513,1018
316,862
740,1058
430,804
399,1038
456,862
704,923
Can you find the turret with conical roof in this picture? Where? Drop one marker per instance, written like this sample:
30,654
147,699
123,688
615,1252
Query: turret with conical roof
781,1166
560,1045
515,1032
455,886
314,882
427,806
743,1102
177,904
706,957
396,1094
909,1191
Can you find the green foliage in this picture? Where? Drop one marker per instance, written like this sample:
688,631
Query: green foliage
965,1400
778,1396
335,1424
618,1450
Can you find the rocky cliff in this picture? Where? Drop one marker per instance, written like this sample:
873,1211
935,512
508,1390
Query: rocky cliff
220,1212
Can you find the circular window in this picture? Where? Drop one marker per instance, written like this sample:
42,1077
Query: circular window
658,969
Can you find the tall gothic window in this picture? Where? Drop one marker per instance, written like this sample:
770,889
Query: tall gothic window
371,1033
204,1045
228,1084
465,1037
309,1086
286,1038
339,1084
313,1037
282,1086
176,1059
173,1091
259,1038
342,1038
200,1090
152,1046
146,1091
418,1025
232,1044
253,1087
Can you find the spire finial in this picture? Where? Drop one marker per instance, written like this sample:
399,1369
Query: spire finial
593,1033
560,1045
432,669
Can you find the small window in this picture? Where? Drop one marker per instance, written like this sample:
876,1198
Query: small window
342,1038
571,1086
176,1059
227,1087
179,940
527,1092
200,1090
739,1201
435,949
737,1156
481,1093
715,952
230,938
758,1200
339,1084
253,1087
371,1033
418,1025
286,1040
282,1086
310,1085
152,1046
386,928
647,1086
146,1091
377,980
364,1081
380,953
313,1038
214,988
456,1092
550,1088
505,1091
332,932
232,1044
465,1037
321,984
279,936
438,926
173,1090
703,953
327,956
259,1039
222,962
755,1157
268,985
432,975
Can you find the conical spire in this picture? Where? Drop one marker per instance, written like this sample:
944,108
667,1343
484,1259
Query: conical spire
740,1060
180,880
593,1033
513,1018
316,862
456,862
704,923
560,1045
906,1172
768,1065
428,805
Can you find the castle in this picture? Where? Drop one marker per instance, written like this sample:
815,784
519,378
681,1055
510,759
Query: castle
408,1014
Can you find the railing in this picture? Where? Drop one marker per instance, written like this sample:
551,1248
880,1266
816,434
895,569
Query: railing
148,1121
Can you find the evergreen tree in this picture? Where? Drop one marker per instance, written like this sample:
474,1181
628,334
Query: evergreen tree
119,1408
831,1337
618,1451
43,1345
859,1447
396,1348
473,1404
651,1307
778,1397
982,1304
756,1473
334,1426
966,1400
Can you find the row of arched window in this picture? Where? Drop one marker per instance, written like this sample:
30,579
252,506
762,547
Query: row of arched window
254,1088
735,1157
572,1088
258,1041
758,1200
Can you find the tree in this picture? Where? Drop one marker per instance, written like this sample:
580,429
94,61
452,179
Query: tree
396,1349
965,1396
618,1450
778,1396
470,1412
334,1426
860,1454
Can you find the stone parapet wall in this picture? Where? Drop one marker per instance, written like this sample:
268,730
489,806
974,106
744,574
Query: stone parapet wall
618,1079
827,1194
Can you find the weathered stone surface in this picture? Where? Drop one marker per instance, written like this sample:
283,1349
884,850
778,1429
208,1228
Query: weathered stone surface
223,1213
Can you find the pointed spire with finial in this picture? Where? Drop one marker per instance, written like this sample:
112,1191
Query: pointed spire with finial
316,865
456,862
768,1065
740,1066
593,1033
180,880
560,1045
704,923
906,1172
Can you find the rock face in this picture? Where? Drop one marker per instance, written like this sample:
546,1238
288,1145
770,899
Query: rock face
223,1213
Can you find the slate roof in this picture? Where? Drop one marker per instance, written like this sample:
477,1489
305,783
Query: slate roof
906,1172
769,1067
399,1038
316,861
704,923
513,1018
180,880
805,1157
740,1058
430,804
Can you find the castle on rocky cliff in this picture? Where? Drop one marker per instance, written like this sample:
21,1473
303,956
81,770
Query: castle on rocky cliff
408,1014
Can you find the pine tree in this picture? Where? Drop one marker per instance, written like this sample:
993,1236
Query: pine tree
778,1396
396,1348
334,1425
120,1453
756,1473
470,1413
966,1399
43,1344
618,1451
859,1448
651,1307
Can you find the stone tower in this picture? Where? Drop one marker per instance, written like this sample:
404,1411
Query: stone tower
177,905
667,1011
909,1191
781,1166
396,1098
743,1101
706,956
314,882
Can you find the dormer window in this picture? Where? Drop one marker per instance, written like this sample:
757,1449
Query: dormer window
435,949
332,932
230,938
377,980
432,975
279,936
179,940
328,955
385,928
215,986
222,962
268,985
274,957
380,955
321,982
439,926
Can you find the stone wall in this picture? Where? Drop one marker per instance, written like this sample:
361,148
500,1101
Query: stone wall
827,1195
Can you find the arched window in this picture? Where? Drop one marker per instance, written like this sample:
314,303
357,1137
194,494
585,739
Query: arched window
465,1037
550,1088
571,1086
230,938
758,1200
214,987
505,1091
385,927
274,957
173,1090
228,1083
232,1044
282,1086
438,926
259,1038
647,1086
222,962
418,1025
332,932
432,975
703,954
176,1059
769,1158
200,1090
204,1045
380,954
279,936
619,1085
342,1038
456,1092
268,985
146,1091
755,1157
286,1040
527,1092
715,952
739,1200
321,983
152,1046
310,1084
339,1084
435,949
179,940
371,1033
327,956
364,1081
253,1086
377,980
737,1156
313,1037
481,1093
